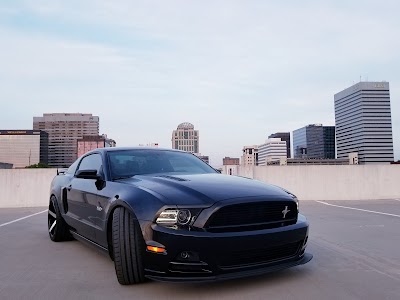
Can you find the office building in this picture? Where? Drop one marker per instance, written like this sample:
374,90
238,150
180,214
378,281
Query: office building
226,161
305,162
204,158
89,143
152,145
272,150
363,122
6,166
230,170
284,136
250,156
22,148
314,141
64,131
186,138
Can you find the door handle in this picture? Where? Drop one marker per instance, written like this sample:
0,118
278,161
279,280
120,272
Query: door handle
69,187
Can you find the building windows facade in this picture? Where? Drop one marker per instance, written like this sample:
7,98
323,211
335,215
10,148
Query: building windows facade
314,141
186,138
63,132
22,148
363,122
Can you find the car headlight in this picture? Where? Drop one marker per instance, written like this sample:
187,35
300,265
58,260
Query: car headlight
177,217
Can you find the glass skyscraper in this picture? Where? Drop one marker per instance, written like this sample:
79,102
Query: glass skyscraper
314,141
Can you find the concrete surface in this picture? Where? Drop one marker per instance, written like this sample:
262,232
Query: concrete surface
30,187
356,256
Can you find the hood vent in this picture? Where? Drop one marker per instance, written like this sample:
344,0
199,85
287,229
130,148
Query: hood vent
172,178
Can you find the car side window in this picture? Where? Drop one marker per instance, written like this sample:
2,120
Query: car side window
92,162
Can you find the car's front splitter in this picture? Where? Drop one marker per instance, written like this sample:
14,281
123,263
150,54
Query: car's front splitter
234,275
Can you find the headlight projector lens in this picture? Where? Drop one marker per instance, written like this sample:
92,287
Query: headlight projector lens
183,217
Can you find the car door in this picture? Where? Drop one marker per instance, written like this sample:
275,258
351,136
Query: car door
82,197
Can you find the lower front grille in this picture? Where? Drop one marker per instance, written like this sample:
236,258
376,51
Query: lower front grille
258,256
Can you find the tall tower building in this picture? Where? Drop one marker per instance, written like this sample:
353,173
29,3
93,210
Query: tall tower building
272,150
64,130
185,138
250,156
314,141
363,122
284,136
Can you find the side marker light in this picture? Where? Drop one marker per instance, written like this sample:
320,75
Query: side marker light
155,249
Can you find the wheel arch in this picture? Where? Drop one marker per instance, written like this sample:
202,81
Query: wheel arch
117,203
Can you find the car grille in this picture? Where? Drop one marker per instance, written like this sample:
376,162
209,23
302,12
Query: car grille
258,256
252,216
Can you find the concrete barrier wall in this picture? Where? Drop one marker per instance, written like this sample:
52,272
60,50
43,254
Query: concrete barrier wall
30,187
25,187
320,182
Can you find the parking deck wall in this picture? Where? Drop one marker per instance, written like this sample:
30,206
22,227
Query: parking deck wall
30,187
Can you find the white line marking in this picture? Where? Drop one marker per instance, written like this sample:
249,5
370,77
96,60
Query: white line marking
23,218
370,211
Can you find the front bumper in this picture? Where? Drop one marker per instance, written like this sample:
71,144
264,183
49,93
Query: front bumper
221,256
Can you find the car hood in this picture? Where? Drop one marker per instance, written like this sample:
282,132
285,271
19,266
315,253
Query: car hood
205,189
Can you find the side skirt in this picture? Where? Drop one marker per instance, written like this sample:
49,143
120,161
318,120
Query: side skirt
90,243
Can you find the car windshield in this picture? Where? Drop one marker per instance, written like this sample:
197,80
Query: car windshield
128,163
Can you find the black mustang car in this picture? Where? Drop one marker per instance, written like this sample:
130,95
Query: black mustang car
167,215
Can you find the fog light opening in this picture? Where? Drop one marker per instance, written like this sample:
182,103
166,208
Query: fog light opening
185,255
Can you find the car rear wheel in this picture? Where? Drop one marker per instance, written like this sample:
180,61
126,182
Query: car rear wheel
58,229
128,247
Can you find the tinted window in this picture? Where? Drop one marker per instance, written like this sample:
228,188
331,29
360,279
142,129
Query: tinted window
140,162
91,162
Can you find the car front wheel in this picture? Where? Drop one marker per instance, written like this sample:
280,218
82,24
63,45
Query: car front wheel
58,229
128,247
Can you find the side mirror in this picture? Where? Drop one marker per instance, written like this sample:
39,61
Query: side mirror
88,174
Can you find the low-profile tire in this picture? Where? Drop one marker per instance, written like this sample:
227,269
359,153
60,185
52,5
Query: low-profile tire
128,247
58,229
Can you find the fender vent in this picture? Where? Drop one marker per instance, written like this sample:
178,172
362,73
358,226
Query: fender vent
64,199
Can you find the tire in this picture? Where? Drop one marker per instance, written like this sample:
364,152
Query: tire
128,247
58,229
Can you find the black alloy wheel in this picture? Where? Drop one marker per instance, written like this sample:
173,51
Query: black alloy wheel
58,230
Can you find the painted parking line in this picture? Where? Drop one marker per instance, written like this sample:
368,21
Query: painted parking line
23,218
359,209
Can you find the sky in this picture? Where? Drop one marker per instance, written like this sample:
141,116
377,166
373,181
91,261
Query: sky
238,70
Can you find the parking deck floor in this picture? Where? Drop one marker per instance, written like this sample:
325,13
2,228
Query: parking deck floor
356,248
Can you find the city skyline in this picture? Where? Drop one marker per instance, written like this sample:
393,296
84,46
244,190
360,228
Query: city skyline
239,72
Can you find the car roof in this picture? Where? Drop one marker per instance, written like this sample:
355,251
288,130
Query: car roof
112,149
